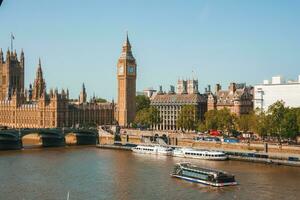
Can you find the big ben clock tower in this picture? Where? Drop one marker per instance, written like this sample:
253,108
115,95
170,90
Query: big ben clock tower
126,107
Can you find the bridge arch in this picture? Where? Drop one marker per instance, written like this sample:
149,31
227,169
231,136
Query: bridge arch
47,137
9,141
81,137
18,138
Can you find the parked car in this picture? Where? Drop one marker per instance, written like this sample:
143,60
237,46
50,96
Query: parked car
215,132
231,140
208,139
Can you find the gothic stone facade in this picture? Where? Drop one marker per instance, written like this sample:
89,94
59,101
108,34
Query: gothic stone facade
238,99
170,104
34,108
126,76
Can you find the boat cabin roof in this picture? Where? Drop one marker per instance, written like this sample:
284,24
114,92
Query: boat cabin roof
189,166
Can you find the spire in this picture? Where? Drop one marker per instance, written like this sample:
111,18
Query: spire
39,72
8,54
67,93
83,87
40,65
126,50
22,58
82,95
127,43
39,86
1,56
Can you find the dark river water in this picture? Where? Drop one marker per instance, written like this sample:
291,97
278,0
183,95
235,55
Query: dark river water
91,173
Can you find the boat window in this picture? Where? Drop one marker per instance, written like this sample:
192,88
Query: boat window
195,175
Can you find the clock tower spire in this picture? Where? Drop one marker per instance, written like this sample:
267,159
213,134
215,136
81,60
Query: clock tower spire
126,76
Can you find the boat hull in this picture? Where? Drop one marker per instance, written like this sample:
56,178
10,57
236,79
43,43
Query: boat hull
201,157
203,181
152,152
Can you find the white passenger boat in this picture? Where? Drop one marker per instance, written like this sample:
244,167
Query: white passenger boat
200,154
153,149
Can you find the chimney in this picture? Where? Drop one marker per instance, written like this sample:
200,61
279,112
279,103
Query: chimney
217,87
160,90
232,87
209,88
172,89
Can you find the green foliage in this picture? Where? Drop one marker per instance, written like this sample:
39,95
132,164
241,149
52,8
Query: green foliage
278,121
297,110
142,102
147,116
220,119
187,118
211,119
201,127
100,100
276,111
262,124
247,122
289,126
226,120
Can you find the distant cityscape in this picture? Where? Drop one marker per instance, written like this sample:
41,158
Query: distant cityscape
36,108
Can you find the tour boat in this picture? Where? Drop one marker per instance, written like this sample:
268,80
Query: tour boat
153,149
192,173
200,154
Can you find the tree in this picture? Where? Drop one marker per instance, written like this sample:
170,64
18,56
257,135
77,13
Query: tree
247,122
100,100
262,124
297,110
142,102
141,117
289,125
147,117
220,119
201,126
225,120
187,117
211,119
153,114
276,112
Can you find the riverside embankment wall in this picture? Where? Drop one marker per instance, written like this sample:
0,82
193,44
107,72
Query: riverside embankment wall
189,142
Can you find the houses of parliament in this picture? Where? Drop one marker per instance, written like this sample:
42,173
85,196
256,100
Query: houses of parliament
34,107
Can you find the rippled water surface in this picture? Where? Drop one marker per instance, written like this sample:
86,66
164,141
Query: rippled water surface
91,173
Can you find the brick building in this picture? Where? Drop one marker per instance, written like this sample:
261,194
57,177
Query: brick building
238,99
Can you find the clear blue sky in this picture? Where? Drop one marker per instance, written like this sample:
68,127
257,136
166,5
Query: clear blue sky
221,41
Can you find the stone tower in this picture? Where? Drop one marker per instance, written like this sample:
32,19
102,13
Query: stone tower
82,96
39,85
182,86
11,74
192,86
126,75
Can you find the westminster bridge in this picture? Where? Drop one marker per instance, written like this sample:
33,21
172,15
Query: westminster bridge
14,138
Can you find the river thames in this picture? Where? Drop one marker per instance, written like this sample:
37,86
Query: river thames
91,173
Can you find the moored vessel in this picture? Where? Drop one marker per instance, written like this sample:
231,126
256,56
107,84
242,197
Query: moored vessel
200,154
192,173
153,149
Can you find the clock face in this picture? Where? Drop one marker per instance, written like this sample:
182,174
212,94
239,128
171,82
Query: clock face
121,70
130,69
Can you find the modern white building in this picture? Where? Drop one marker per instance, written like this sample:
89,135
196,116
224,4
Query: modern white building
277,89
149,92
